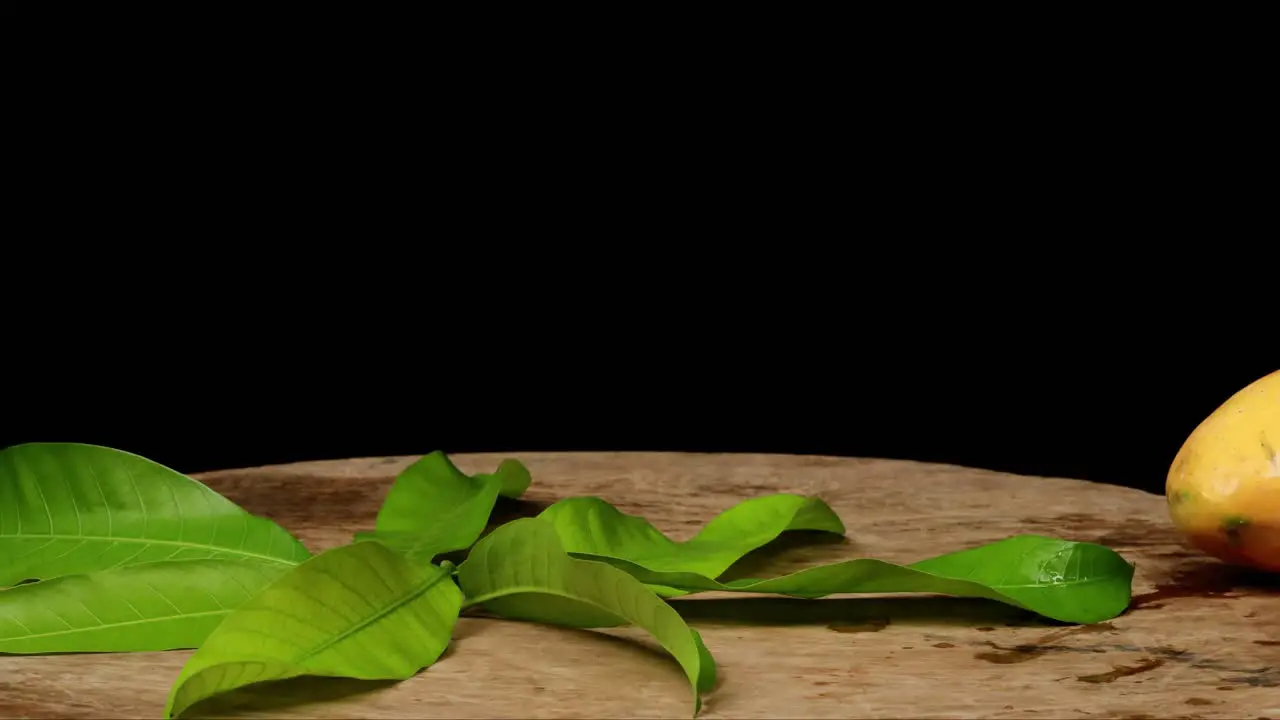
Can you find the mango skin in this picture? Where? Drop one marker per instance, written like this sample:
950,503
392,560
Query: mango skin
1223,488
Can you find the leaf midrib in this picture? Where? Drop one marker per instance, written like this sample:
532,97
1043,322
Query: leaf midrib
541,590
126,623
409,598
517,589
168,543
750,584
1047,586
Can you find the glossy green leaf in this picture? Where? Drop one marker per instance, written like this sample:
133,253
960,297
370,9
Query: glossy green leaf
67,508
521,571
165,605
1072,582
434,508
360,611
591,526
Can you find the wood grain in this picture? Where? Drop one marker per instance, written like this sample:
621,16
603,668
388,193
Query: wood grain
1202,640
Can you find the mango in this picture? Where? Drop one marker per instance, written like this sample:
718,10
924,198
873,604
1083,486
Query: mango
1223,488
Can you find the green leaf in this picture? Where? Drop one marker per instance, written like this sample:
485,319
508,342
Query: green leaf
591,526
67,508
360,611
706,667
434,508
521,571
1072,582
165,605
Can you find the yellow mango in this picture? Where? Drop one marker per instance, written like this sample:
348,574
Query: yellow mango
1223,487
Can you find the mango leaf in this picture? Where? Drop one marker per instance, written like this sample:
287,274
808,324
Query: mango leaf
591,526
706,668
1073,582
434,508
165,605
521,571
67,508
360,611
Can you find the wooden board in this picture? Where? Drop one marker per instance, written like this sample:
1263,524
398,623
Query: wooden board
1201,640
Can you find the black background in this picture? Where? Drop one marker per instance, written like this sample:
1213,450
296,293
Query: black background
1115,419
941,196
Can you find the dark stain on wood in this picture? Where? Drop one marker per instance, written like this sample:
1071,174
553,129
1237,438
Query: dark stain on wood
1164,651
986,629
1261,677
1132,534
1200,701
1021,653
943,645
1206,580
1120,671
1008,655
1011,655
873,625
1269,643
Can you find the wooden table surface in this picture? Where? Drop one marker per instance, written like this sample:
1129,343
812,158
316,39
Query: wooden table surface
1201,640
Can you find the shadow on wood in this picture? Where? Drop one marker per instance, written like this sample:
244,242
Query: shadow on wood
926,610
294,692
788,548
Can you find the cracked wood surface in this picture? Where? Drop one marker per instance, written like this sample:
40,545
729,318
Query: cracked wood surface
1201,640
